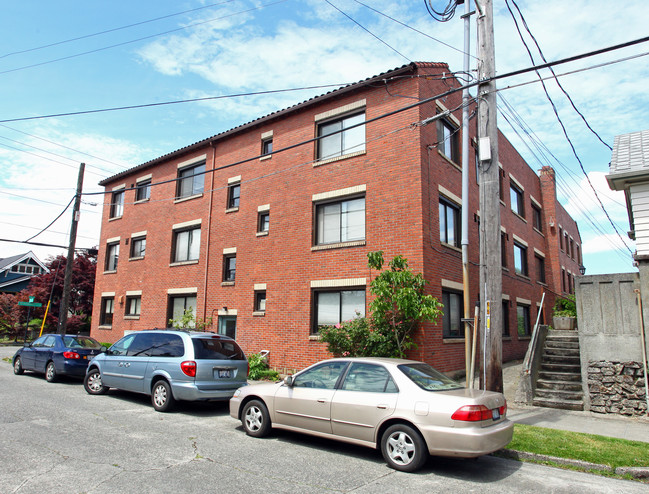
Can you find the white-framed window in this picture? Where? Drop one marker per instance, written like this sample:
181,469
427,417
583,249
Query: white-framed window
341,135
133,305
117,204
340,221
332,306
186,244
191,180
517,201
107,309
138,246
520,259
448,140
449,223
260,300
112,256
143,190
229,267
179,304
453,309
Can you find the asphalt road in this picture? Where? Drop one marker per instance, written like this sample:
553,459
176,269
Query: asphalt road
55,438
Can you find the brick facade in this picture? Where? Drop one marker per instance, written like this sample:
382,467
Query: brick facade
401,174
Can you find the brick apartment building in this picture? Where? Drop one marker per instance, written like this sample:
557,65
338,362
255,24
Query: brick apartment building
264,229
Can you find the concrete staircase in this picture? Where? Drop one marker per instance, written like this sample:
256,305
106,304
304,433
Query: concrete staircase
559,381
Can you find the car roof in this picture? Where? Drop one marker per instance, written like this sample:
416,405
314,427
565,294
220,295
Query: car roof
379,360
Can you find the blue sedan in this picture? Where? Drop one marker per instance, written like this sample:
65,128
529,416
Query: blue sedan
55,354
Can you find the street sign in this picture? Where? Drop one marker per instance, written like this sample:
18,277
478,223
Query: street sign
30,304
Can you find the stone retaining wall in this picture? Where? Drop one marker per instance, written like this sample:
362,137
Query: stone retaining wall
617,387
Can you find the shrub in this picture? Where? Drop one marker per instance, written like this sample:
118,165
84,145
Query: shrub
259,369
565,307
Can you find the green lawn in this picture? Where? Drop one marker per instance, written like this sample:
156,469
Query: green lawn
578,446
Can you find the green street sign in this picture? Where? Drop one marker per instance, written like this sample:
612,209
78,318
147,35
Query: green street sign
30,304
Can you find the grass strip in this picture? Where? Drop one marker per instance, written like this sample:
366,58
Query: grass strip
579,446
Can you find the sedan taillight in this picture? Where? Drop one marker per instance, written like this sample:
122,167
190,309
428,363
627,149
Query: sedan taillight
71,355
189,368
472,413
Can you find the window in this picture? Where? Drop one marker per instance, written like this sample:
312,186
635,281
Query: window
186,245
133,304
112,256
234,192
368,378
117,204
342,221
138,247
179,305
263,221
540,268
107,308
505,318
143,190
333,307
452,320
267,146
516,197
536,217
323,376
449,223
523,318
561,238
191,181
572,248
338,139
260,301
520,259
578,254
501,184
503,249
563,280
229,267
228,326
448,140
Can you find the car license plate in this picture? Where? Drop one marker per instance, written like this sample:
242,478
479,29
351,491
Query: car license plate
496,414
224,373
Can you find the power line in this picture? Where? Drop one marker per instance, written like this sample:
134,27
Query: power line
53,221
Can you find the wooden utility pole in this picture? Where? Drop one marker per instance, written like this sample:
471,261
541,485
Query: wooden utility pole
490,244
67,280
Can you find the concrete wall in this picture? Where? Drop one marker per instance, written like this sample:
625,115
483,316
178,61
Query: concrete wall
609,324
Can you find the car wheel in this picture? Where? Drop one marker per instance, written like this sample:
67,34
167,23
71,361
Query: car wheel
161,397
50,372
92,383
18,366
403,448
255,419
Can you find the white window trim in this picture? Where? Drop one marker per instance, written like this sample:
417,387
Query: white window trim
259,286
134,293
449,195
117,188
182,291
234,180
341,110
450,116
143,178
138,234
520,240
230,250
229,312
535,202
264,208
453,285
113,240
339,193
107,294
523,301
505,296
187,224
539,253
516,182
349,282
266,135
193,161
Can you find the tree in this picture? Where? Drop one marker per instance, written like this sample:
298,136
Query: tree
10,314
81,295
400,304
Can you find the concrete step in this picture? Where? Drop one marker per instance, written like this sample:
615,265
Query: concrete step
561,343
569,368
570,334
562,359
560,376
559,385
569,352
558,403
559,394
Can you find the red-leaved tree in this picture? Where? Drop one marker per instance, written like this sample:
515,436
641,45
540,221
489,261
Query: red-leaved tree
10,314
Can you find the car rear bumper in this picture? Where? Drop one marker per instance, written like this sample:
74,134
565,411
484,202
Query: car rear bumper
467,442
190,392
72,367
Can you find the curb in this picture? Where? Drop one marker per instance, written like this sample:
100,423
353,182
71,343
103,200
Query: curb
640,473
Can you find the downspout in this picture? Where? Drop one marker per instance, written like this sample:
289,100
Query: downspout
209,232
643,344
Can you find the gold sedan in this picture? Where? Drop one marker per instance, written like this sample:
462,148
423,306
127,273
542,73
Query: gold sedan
406,408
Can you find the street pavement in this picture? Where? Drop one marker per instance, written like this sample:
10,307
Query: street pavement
56,438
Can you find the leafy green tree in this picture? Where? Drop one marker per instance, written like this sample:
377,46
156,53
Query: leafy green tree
189,321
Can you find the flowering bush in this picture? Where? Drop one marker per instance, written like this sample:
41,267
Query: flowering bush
348,339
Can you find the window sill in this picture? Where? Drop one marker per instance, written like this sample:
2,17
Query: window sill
232,210
104,327
340,245
188,198
507,338
259,313
539,231
114,218
139,258
452,247
266,157
519,216
262,234
110,271
131,318
524,277
542,283
227,283
183,263
453,340
523,338
141,201
450,161
502,203
314,337
338,158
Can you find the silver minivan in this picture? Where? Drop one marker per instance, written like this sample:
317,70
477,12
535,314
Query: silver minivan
170,365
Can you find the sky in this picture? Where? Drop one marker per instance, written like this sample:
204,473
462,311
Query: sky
60,61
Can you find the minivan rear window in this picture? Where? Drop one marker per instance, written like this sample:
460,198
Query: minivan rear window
217,349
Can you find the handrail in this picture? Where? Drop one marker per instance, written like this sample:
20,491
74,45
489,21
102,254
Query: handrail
531,350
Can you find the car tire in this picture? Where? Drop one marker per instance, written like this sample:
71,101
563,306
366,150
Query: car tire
92,383
18,366
403,448
50,372
256,419
161,397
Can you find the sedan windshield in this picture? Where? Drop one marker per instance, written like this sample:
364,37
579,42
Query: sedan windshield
81,342
424,376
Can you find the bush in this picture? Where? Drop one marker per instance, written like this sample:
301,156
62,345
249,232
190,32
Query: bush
259,369
565,307
352,338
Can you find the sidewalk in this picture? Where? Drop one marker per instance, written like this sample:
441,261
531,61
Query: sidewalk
632,428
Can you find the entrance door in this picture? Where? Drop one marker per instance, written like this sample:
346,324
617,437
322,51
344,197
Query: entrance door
228,326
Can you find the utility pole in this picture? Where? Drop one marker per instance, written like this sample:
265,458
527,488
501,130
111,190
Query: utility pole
67,280
490,243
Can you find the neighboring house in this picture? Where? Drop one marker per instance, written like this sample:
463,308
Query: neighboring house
268,238
16,271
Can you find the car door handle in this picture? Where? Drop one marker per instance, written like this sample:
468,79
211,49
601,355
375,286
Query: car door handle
382,407
322,400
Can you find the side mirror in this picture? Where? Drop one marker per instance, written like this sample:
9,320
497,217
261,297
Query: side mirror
289,381
27,344
103,349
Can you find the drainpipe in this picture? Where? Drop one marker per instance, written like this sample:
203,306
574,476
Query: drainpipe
643,344
209,232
